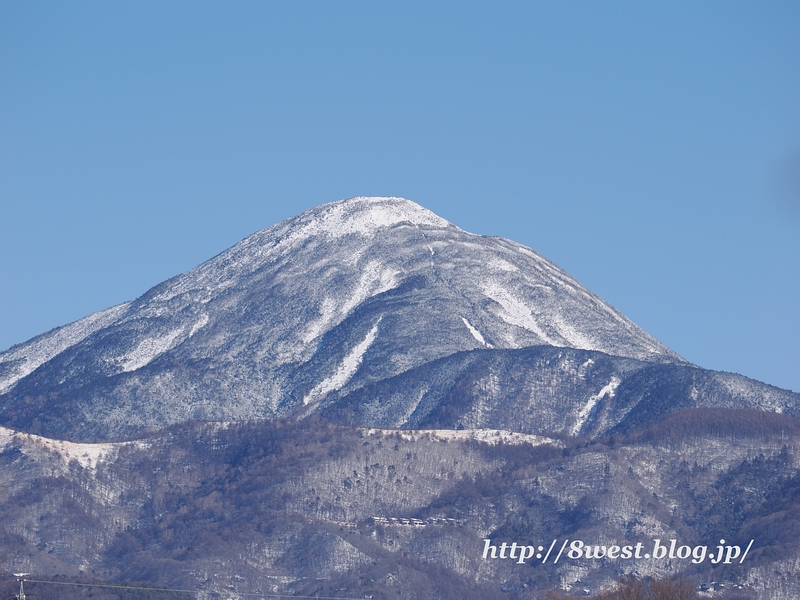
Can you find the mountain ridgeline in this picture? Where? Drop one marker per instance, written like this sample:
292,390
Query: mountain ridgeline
361,401
370,307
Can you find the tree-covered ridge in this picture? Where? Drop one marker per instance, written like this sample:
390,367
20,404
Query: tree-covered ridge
310,507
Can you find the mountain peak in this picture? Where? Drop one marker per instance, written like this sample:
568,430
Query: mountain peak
361,215
326,302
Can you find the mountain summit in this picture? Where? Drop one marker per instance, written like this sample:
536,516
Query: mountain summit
302,314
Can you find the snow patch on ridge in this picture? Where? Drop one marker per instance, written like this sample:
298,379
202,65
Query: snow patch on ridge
489,436
87,455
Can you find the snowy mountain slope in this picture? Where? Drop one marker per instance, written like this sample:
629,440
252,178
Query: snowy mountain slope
342,295
547,389
23,359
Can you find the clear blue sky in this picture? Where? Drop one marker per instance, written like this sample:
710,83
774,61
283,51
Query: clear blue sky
650,149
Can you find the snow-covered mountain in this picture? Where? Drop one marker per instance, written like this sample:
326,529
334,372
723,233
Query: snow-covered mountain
305,312
385,392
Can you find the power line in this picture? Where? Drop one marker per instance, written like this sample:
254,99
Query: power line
152,589
121,587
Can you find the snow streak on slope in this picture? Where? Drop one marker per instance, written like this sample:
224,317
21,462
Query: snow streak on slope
515,312
152,347
475,333
345,371
375,279
584,413
23,359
